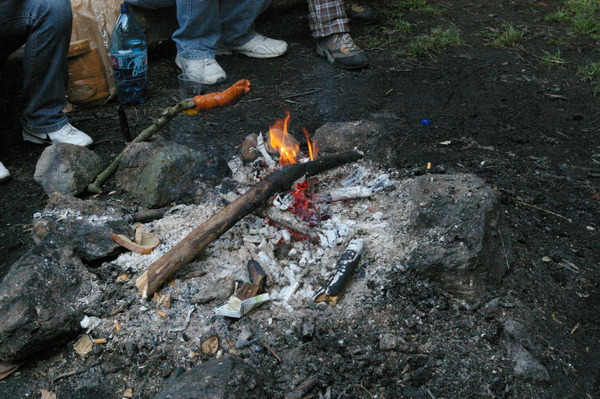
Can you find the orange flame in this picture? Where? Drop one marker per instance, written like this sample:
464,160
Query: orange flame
312,148
282,142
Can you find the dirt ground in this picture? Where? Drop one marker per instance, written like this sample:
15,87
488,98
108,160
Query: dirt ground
528,128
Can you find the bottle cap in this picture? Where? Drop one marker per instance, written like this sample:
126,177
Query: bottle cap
124,8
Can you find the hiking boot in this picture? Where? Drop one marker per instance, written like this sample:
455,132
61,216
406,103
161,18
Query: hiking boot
204,71
362,15
4,174
66,134
260,46
340,50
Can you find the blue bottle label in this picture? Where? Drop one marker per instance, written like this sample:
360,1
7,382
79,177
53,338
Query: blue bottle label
129,65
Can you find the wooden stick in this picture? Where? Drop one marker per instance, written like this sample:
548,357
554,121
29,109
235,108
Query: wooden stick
188,248
96,186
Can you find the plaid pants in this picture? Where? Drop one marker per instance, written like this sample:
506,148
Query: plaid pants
327,17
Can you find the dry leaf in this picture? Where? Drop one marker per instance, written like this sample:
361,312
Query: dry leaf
210,345
84,345
47,394
7,369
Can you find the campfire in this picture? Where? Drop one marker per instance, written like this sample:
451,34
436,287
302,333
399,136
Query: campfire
301,245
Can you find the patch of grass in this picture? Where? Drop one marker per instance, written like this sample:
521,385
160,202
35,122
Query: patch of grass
583,15
438,40
419,6
590,69
388,33
554,60
507,36
555,41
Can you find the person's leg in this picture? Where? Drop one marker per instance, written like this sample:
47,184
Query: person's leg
237,20
199,26
329,26
237,25
327,17
45,29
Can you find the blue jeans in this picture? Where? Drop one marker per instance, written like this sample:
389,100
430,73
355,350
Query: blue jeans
203,23
44,27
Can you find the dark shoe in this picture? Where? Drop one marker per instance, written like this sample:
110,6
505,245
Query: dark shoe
340,50
362,15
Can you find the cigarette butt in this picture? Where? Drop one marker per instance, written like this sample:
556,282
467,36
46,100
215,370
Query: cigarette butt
171,283
117,326
128,393
161,313
100,341
428,165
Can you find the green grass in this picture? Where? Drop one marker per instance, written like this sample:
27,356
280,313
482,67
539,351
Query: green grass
554,59
583,15
389,32
438,40
507,36
591,70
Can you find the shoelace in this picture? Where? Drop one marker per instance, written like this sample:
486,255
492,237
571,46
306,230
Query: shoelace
347,43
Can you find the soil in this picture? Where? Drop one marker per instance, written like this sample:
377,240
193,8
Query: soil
529,129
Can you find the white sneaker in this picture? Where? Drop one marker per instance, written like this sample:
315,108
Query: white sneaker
205,71
4,173
67,134
261,46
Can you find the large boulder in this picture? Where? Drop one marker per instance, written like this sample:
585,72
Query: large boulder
463,243
66,168
343,136
42,299
225,378
87,225
157,173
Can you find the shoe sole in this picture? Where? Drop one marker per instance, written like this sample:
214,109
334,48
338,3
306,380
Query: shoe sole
219,80
34,139
255,55
325,54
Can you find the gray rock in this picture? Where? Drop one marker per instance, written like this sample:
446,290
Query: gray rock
342,136
225,378
160,172
526,365
86,225
42,300
392,342
66,168
464,244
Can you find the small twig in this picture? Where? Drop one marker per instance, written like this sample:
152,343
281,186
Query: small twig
74,372
96,186
260,146
187,320
304,93
279,360
545,210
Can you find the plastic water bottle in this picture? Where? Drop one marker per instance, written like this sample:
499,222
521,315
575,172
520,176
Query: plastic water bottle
129,57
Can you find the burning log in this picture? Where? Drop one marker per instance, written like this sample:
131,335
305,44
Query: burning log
288,221
345,267
188,248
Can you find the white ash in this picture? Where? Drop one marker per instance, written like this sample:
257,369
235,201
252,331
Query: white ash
297,269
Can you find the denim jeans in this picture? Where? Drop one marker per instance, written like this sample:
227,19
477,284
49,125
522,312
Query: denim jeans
204,23
44,27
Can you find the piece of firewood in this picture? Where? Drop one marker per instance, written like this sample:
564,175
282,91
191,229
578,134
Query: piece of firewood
198,239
